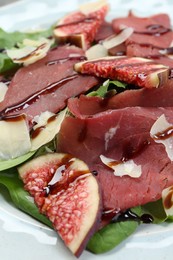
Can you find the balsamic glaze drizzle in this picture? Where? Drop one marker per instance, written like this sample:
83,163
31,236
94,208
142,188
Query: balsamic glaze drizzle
114,216
36,96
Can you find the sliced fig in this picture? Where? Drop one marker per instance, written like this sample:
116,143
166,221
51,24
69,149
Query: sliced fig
80,27
132,70
67,193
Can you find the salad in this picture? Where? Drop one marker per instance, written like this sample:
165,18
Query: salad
42,136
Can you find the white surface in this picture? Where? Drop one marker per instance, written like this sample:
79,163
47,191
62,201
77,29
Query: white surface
23,238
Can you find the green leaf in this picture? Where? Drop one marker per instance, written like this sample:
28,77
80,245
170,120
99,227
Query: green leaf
9,39
19,196
110,236
107,88
6,64
4,165
156,210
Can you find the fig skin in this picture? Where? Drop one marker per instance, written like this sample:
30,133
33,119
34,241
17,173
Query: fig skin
68,194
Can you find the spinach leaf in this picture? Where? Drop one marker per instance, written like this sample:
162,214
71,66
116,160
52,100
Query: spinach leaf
110,236
19,196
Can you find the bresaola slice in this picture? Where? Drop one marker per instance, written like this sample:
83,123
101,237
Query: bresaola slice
152,37
65,191
122,135
47,84
80,27
137,71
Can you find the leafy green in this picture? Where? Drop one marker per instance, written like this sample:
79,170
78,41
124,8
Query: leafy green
6,164
113,234
156,210
19,196
108,87
10,39
110,236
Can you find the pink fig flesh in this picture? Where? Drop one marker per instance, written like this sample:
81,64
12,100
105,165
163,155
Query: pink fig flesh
67,193
80,27
132,70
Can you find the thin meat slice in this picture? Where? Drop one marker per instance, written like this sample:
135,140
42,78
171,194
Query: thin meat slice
155,97
46,84
152,37
117,134
104,31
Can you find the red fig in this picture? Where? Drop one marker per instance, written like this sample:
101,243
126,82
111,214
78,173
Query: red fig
80,27
67,193
133,70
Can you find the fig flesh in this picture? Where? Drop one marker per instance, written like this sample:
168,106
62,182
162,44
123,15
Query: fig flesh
80,27
67,193
140,72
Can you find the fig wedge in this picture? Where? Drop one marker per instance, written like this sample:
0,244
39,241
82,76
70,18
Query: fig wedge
80,27
67,193
140,72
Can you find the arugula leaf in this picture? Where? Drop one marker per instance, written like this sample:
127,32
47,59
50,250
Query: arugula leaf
110,236
9,39
19,196
108,87
6,64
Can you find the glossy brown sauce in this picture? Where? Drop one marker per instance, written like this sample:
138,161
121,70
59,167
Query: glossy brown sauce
68,176
75,58
168,203
37,131
164,134
13,118
37,95
23,59
113,216
130,152
155,30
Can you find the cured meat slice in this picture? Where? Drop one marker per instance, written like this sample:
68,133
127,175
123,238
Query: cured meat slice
80,27
116,134
151,39
104,31
155,97
138,71
46,84
141,24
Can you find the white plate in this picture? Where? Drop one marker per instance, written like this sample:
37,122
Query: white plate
23,238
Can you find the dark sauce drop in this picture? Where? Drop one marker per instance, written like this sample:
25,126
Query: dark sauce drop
129,215
94,172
